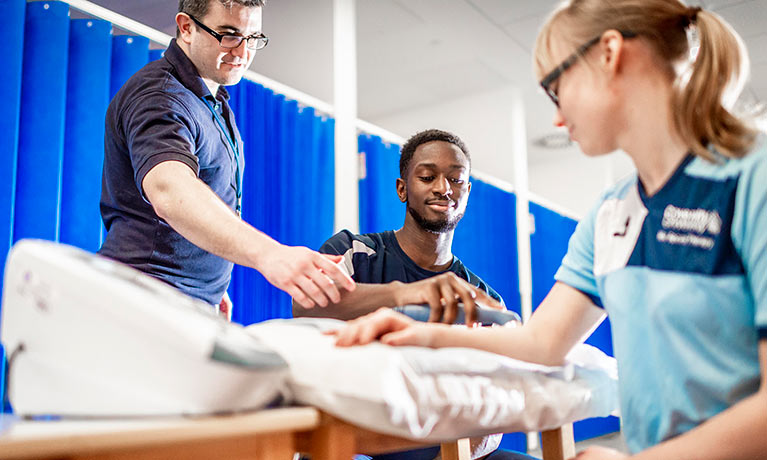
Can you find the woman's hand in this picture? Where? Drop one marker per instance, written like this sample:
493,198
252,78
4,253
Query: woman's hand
442,293
387,326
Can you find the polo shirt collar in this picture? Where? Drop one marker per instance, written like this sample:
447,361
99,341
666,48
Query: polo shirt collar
188,74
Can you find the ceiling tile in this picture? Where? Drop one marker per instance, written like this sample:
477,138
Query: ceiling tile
748,18
395,89
757,48
525,31
719,4
506,11
383,20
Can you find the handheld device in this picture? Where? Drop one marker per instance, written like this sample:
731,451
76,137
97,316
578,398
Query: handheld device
485,316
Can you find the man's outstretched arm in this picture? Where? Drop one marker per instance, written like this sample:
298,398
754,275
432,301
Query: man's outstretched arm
191,208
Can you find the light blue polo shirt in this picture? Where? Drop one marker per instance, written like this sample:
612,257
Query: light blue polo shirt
683,278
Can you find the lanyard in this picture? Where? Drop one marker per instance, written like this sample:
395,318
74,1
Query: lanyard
235,149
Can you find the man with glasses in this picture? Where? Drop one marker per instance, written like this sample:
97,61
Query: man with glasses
171,195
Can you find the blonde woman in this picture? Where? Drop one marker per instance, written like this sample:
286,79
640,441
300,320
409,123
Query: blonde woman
676,255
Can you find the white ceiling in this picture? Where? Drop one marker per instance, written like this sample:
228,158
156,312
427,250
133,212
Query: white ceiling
418,52
452,64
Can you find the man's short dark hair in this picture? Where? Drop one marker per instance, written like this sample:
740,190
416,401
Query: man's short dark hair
408,149
199,8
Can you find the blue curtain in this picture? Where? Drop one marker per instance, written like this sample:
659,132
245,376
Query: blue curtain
129,54
156,54
548,245
288,187
90,51
41,132
379,208
11,48
486,240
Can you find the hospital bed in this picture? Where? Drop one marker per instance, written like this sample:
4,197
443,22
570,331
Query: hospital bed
92,341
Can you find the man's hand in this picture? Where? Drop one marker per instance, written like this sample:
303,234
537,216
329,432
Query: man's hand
225,306
309,277
388,326
442,293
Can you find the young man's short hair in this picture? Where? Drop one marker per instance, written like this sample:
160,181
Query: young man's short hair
408,149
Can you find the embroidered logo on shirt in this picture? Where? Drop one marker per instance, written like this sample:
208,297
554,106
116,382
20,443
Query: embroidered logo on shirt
687,227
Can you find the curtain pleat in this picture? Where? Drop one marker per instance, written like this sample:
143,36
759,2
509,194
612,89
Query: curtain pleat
129,54
380,208
90,50
11,48
288,188
41,129
156,54
548,245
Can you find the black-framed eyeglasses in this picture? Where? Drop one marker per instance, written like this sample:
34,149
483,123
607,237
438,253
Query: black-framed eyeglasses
552,76
254,42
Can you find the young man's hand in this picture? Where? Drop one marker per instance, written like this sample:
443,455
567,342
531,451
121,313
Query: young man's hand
442,293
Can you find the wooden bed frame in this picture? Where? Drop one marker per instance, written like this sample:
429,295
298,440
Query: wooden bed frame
271,434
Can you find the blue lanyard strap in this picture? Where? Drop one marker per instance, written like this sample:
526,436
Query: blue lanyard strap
235,149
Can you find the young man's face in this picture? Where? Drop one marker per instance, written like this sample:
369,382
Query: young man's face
213,62
437,186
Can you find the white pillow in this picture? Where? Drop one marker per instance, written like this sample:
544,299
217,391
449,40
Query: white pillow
437,394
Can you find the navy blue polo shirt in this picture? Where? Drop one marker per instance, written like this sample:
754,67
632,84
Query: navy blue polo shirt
165,113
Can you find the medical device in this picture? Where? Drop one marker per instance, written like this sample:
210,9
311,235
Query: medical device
88,336
485,316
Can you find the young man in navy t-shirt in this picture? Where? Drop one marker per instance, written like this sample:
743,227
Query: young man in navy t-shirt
415,264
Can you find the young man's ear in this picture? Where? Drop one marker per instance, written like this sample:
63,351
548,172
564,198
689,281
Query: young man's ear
401,190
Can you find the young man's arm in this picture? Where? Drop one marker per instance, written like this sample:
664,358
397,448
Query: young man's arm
441,292
199,215
565,318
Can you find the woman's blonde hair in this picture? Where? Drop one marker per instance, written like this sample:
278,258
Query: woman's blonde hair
717,68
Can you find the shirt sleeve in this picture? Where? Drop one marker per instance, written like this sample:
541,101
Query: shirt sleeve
341,244
748,232
577,269
158,128
489,291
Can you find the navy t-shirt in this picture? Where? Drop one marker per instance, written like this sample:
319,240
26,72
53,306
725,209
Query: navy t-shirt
376,258
163,113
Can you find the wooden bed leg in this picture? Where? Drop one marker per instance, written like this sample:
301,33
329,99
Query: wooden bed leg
333,441
558,444
456,450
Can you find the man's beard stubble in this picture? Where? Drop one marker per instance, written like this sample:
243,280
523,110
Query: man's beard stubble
434,226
